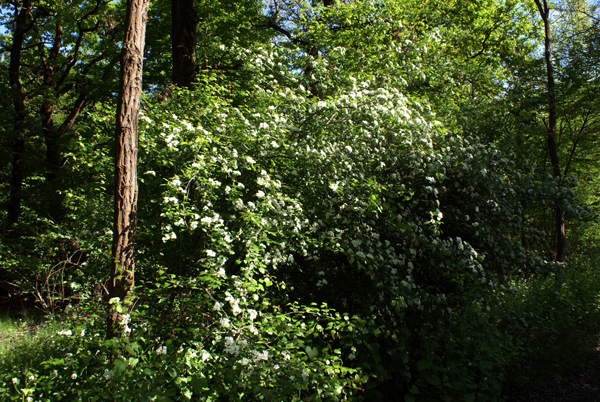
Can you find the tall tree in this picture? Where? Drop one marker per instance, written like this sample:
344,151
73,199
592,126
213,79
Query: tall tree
59,59
23,24
130,91
559,221
184,21
67,60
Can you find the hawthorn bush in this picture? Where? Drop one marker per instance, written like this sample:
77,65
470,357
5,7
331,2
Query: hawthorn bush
303,247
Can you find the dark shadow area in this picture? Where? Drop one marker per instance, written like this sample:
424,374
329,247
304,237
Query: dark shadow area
583,386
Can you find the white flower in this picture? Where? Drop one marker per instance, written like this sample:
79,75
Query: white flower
66,333
74,376
162,350
218,306
231,347
250,160
114,300
252,314
15,380
225,322
82,334
205,355
211,253
260,194
257,356
31,377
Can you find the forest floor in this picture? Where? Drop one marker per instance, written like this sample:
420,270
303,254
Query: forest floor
583,386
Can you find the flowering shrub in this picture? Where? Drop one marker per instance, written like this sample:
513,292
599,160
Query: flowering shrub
302,247
308,230
360,200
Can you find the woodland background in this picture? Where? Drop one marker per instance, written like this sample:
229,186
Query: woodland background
338,200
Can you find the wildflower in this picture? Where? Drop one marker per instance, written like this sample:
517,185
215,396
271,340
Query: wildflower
205,355
114,300
211,253
162,350
252,314
15,380
66,333
74,376
257,356
231,347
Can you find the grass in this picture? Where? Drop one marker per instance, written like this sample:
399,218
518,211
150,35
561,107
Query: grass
24,330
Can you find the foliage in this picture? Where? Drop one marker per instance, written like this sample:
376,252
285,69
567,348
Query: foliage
340,212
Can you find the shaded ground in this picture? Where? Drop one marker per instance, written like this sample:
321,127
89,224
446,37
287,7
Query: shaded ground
581,387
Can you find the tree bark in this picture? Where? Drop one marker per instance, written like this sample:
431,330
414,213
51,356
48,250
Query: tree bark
13,209
184,21
125,204
559,221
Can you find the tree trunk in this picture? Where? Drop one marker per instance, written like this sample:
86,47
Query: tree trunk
52,137
559,221
130,90
184,20
13,208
